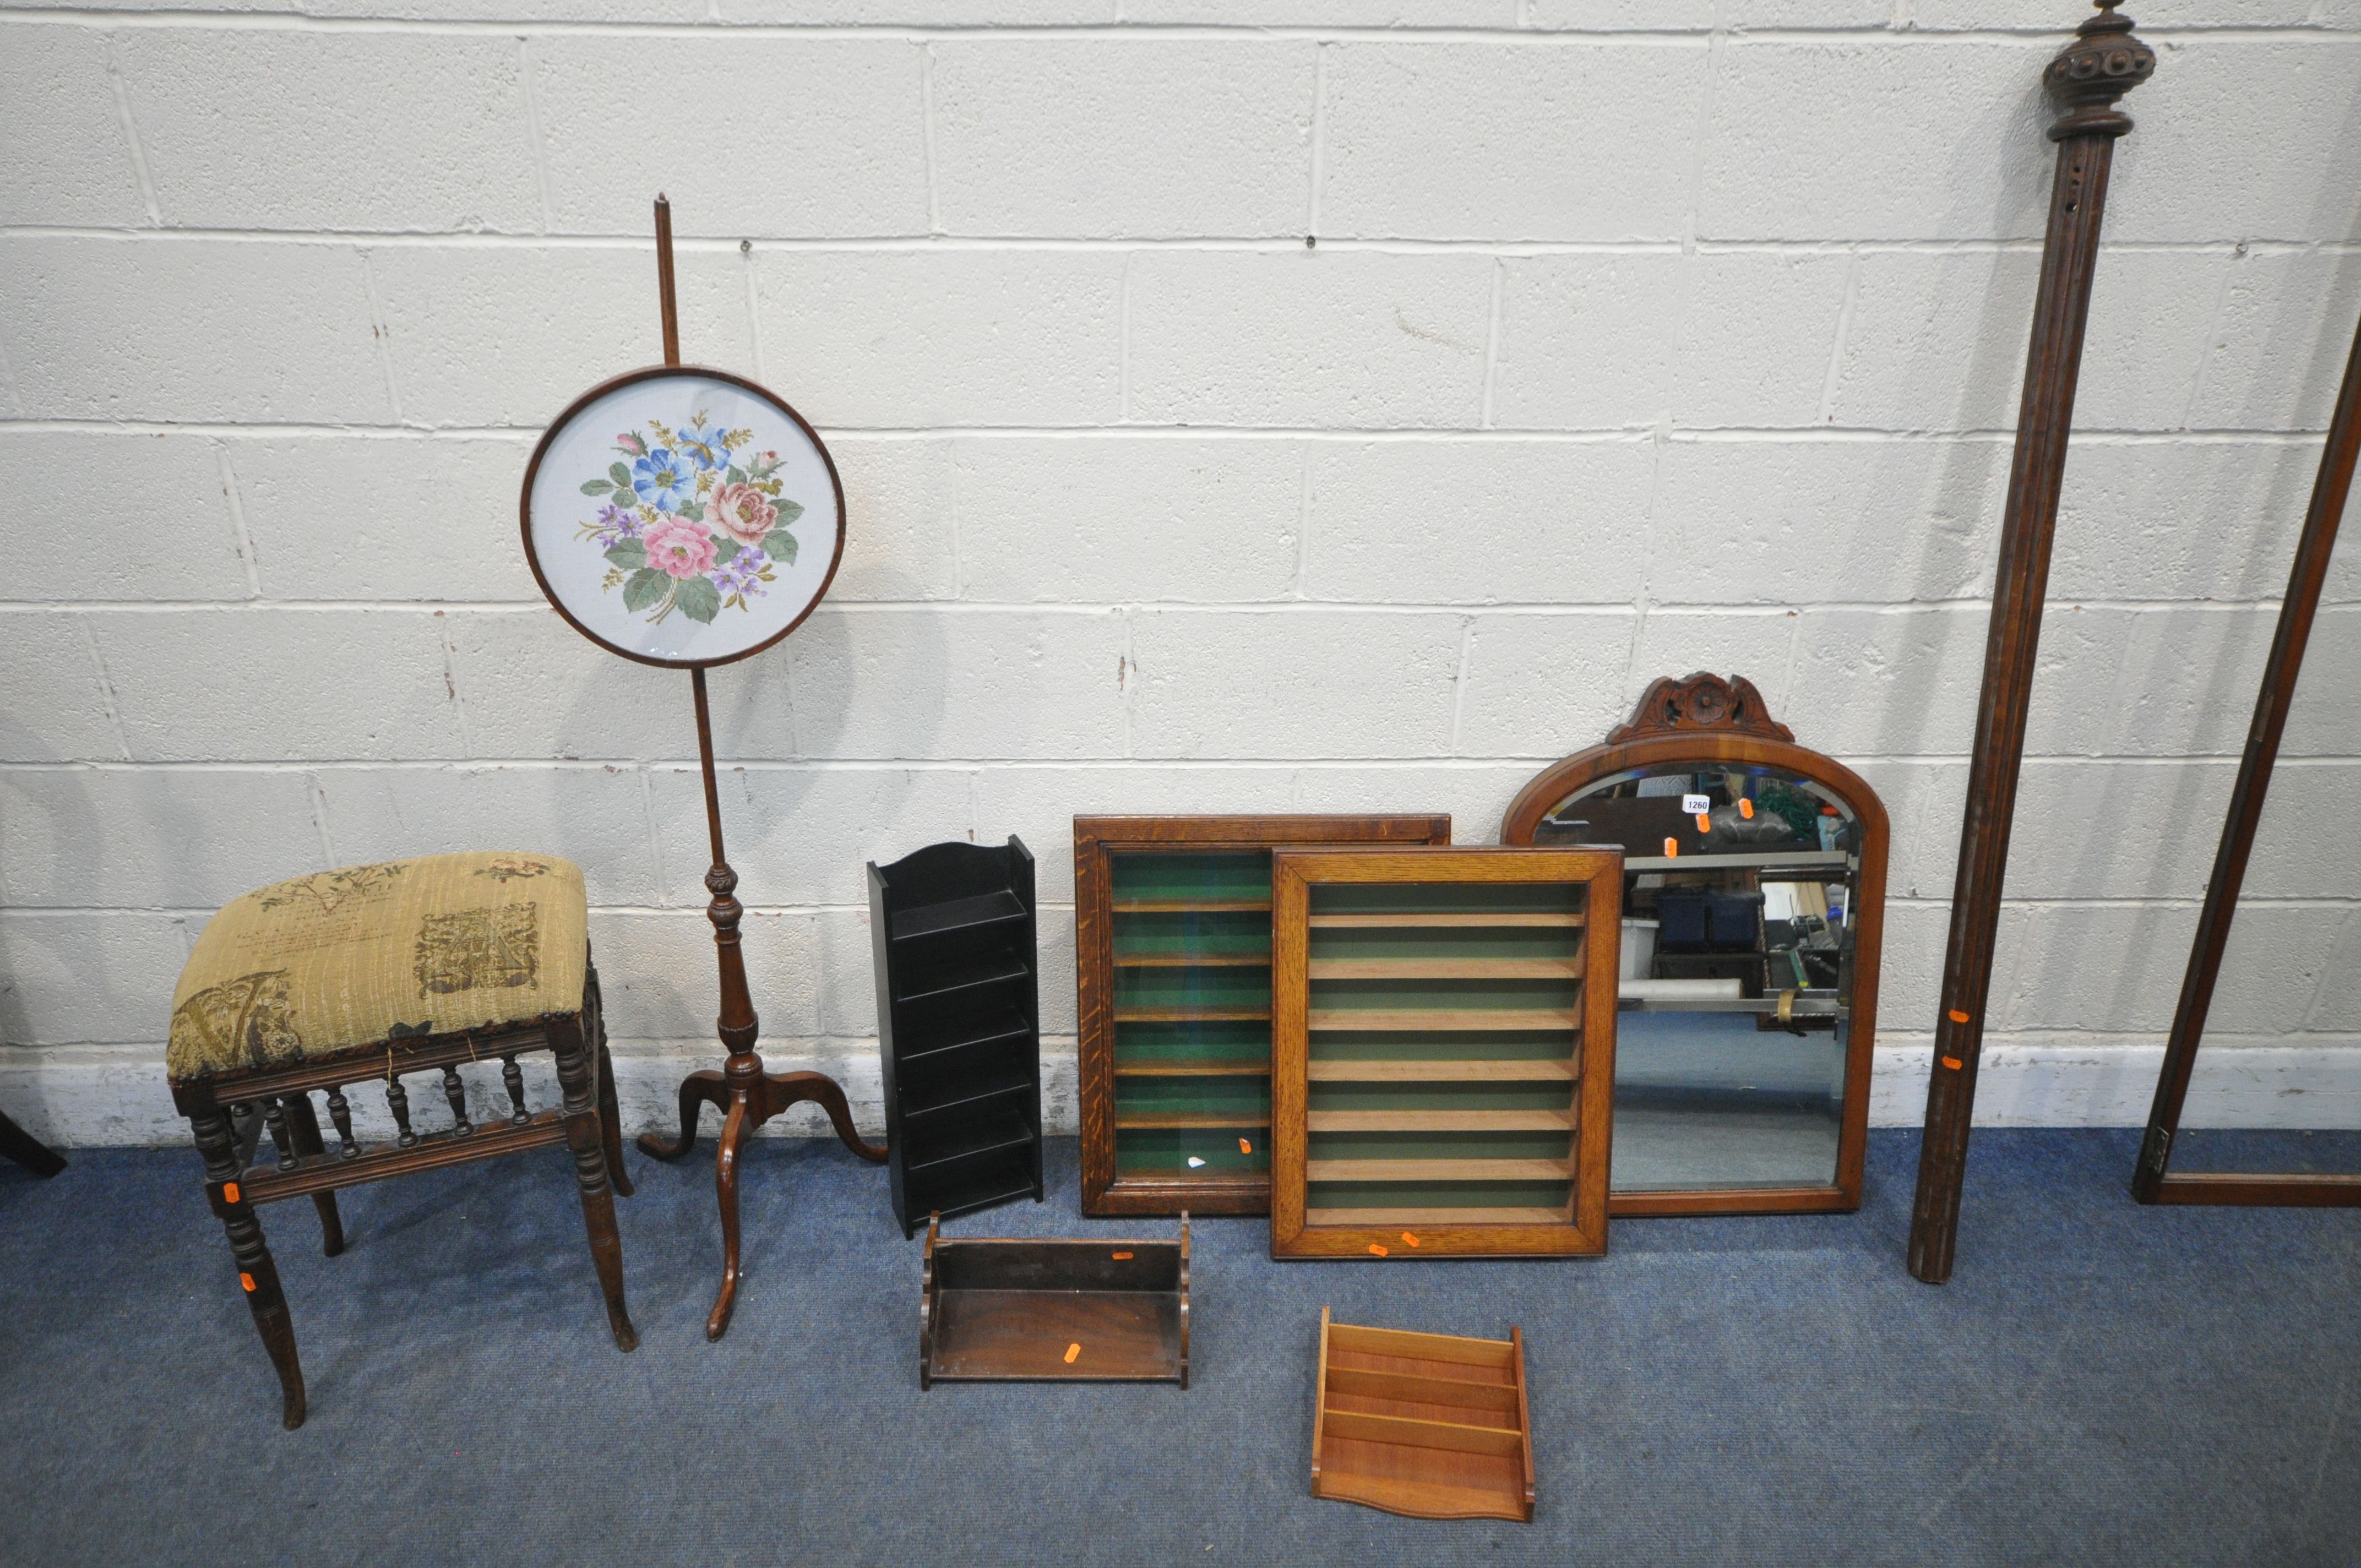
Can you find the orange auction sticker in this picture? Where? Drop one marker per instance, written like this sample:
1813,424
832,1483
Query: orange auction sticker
1072,1350
1380,1251
1411,1239
1120,1256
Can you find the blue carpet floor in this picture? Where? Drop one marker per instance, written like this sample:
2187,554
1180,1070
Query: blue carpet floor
2100,1383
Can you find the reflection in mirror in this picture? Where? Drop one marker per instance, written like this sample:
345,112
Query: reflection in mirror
1737,973
2275,1086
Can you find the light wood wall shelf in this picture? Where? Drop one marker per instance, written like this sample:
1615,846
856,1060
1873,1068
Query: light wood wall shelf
1433,1426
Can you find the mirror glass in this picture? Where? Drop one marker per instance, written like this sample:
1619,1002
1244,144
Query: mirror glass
1737,970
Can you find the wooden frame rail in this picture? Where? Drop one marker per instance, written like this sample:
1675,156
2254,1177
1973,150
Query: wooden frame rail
2152,1180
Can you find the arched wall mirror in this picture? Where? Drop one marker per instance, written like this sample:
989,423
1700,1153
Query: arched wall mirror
1753,902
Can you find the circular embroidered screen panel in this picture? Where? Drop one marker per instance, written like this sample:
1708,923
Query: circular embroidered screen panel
682,516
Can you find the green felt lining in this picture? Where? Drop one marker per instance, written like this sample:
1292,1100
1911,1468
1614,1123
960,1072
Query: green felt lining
1219,987
1191,875
1461,898
1226,931
1245,1094
1448,995
1471,1044
1483,1095
1436,1146
1139,1151
1437,1194
1446,942
1248,1041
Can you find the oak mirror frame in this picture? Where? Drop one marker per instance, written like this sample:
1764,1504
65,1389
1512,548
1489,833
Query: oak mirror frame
1705,725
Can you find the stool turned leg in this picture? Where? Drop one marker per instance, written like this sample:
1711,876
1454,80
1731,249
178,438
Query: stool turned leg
305,1124
574,1076
610,1124
611,1115
256,1272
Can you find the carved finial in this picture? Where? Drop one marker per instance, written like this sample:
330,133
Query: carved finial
2102,63
1703,701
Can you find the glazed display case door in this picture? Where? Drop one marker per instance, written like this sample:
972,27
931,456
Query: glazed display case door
1443,1049
1172,980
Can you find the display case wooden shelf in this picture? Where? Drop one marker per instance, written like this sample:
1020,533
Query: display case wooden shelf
1443,1051
1172,976
1430,1425
958,1027
1003,1309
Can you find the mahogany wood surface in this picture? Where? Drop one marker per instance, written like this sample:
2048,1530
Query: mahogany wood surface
2152,1183
1108,1191
1006,1310
1707,719
1301,1229
227,1112
743,1091
2104,63
1433,1426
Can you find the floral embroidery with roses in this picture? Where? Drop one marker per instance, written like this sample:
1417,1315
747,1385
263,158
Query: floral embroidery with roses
687,526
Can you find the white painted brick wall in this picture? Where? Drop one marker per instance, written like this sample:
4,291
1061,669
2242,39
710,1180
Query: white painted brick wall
1638,338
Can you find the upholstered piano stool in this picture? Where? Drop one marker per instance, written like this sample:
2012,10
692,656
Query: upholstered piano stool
372,973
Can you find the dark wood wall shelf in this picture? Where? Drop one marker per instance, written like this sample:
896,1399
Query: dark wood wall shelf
1443,1049
1172,978
959,1027
1003,1309
1433,1426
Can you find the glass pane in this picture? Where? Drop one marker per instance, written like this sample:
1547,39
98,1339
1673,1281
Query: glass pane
1444,1031
1191,939
1736,971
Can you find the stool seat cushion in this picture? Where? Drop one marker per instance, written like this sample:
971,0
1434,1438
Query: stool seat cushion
348,960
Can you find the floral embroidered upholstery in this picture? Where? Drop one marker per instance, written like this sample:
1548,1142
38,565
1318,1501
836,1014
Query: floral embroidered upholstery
347,960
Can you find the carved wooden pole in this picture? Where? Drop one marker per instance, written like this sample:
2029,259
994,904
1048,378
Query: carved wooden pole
2102,63
2305,580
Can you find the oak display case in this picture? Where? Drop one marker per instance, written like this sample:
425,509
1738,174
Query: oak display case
1172,983
1443,1051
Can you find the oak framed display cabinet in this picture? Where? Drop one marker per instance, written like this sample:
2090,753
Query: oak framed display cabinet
1173,986
1442,1050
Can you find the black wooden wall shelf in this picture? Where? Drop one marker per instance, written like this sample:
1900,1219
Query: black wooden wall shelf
959,1027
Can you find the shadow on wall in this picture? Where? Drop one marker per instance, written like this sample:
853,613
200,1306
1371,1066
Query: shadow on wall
795,835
